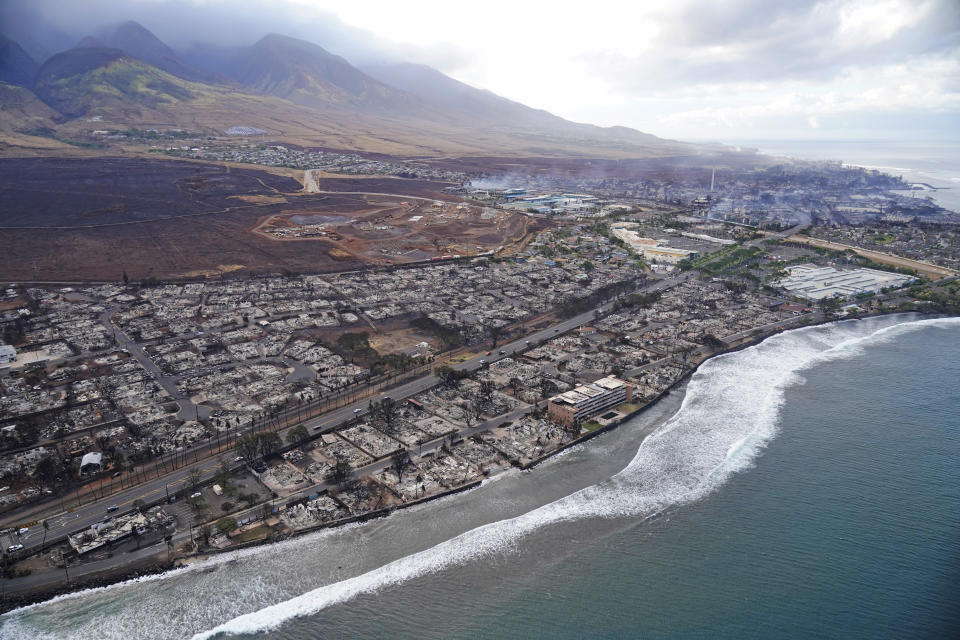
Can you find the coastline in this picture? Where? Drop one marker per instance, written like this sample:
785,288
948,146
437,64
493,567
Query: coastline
150,566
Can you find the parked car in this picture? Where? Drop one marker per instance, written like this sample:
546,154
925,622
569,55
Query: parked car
14,548
195,495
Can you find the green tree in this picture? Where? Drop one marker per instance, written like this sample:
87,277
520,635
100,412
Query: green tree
269,442
248,447
226,524
298,434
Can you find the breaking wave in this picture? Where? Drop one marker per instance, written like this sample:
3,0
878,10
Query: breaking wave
729,413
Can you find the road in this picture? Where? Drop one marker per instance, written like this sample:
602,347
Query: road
923,268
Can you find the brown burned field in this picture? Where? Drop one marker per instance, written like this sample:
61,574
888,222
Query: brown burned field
71,219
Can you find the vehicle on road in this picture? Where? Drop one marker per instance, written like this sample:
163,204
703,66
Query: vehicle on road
112,508
23,530
14,548
556,330
358,410
483,362
195,495
502,352
117,474
489,353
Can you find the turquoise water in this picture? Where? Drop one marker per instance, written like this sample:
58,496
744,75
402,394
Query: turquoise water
804,488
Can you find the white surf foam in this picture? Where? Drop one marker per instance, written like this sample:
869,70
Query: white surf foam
728,415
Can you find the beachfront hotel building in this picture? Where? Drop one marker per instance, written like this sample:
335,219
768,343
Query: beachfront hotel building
573,407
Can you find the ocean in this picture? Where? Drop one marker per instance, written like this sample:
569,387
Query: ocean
807,487
934,162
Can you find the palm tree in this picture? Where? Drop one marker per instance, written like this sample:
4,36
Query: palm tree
46,527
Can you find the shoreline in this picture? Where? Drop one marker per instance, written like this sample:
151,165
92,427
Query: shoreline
149,566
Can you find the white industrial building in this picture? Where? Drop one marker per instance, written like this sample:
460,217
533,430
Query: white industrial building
816,283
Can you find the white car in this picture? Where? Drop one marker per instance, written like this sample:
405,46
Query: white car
358,410
14,547
196,495
22,531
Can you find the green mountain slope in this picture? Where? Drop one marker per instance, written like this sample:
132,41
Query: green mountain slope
74,82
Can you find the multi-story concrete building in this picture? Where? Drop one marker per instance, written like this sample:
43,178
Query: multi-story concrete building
573,407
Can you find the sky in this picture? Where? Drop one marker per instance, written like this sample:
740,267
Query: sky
732,70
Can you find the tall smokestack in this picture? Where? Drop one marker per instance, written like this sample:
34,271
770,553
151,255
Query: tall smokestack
713,174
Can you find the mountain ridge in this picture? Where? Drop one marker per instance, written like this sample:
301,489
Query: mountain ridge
16,65
299,91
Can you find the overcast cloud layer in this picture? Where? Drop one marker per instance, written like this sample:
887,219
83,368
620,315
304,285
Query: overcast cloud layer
738,69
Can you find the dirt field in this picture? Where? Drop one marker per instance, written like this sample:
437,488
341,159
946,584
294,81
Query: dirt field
396,229
69,219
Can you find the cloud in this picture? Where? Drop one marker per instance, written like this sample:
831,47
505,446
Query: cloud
681,68
769,41
48,26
